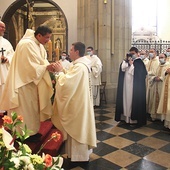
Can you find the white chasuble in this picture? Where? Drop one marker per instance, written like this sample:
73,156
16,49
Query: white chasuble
73,105
155,90
164,104
28,88
8,52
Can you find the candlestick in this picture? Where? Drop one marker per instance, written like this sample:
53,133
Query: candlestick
57,53
49,50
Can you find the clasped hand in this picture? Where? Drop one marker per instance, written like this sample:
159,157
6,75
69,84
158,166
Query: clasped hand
168,71
55,67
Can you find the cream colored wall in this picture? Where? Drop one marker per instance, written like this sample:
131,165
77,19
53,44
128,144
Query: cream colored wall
70,10
163,19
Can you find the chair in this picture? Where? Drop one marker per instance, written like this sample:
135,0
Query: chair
103,92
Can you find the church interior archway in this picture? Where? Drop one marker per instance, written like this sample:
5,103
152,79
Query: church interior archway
23,14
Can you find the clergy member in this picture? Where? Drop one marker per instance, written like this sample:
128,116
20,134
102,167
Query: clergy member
152,67
155,86
65,63
28,87
144,58
73,105
6,54
164,104
96,69
168,54
131,91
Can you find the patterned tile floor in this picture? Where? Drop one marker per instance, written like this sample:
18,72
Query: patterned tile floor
122,147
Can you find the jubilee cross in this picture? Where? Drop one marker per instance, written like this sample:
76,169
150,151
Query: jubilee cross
2,51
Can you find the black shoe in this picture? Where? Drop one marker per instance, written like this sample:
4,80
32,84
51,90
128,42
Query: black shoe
82,164
135,125
34,138
68,164
165,130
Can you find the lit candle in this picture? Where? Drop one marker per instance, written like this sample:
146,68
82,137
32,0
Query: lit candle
49,50
57,53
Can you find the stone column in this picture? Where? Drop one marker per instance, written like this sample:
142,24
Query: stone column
113,18
122,37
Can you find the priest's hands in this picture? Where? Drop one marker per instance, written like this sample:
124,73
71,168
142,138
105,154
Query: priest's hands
58,67
50,67
4,60
55,67
157,79
168,71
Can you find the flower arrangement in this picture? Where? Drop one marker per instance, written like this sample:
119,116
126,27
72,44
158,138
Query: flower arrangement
22,157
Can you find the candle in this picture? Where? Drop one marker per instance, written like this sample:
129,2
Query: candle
57,53
49,50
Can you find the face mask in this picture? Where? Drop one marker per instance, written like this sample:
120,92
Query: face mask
89,53
133,56
142,57
151,55
63,57
162,60
168,53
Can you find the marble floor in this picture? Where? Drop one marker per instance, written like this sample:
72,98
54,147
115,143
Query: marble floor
122,147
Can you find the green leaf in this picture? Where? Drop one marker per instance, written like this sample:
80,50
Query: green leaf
14,116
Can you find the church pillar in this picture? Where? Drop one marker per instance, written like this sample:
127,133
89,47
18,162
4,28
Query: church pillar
113,35
122,37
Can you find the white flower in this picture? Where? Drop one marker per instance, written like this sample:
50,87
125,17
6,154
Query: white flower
59,163
16,162
7,139
29,167
27,148
25,159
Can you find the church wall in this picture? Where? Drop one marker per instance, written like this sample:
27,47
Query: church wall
5,5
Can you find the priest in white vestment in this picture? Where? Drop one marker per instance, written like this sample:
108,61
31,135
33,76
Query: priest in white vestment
152,67
28,87
73,105
96,69
168,54
155,87
65,63
164,104
6,53
144,58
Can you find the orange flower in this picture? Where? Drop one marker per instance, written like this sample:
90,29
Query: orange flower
56,136
20,118
7,120
48,160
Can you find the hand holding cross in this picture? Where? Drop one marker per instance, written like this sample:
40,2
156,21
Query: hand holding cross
3,59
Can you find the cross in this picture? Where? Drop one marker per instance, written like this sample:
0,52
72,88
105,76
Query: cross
2,51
